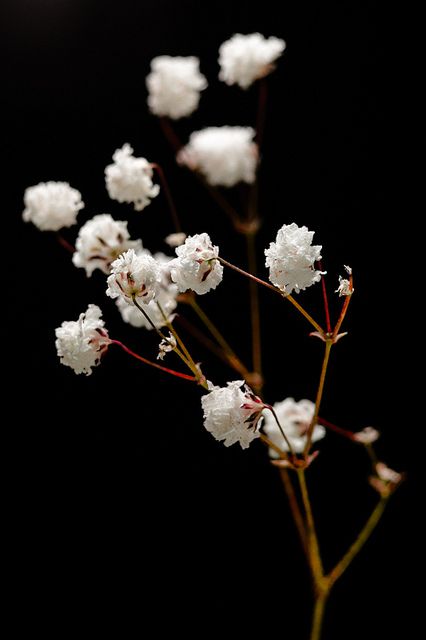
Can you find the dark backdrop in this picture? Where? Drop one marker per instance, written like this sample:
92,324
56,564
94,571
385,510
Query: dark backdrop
117,493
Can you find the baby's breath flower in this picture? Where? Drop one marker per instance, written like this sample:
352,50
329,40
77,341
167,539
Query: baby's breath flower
196,266
52,205
129,179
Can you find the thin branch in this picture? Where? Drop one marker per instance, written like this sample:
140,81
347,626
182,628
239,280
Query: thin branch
168,195
172,372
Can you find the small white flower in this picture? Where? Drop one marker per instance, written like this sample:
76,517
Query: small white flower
245,58
344,288
166,345
129,179
164,302
175,239
100,241
347,269
52,205
224,155
81,344
174,86
196,266
136,276
295,419
386,479
232,414
291,259
368,435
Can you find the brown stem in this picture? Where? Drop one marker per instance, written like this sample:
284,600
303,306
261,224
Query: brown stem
168,195
295,509
254,306
318,615
344,309
320,391
170,134
287,441
261,111
314,551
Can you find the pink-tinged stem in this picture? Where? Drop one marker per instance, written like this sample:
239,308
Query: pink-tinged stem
333,427
168,195
344,309
172,372
170,134
64,243
325,297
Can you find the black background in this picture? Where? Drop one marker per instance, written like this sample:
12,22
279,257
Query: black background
118,496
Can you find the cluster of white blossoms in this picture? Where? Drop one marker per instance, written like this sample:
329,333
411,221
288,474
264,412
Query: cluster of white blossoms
246,58
160,310
134,276
100,241
232,413
197,266
291,259
174,86
129,179
295,419
225,155
52,205
81,344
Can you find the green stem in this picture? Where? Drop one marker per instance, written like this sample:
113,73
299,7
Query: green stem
295,509
314,550
318,615
356,547
320,391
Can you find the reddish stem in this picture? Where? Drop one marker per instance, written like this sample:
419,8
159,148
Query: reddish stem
64,243
172,372
333,427
170,134
325,296
168,195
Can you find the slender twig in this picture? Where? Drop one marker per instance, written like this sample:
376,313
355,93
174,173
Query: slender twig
295,510
170,134
220,200
64,243
281,454
254,306
316,562
333,427
344,309
276,290
325,298
356,547
287,441
168,195
318,615
172,372
320,391
261,110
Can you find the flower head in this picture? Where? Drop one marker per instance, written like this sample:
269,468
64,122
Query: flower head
245,58
81,344
345,287
100,241
386,479
295,419
224,155
52,205
291,259
368,435
129,179
196,266
166,345
174,86
232,413
160,310
134,276
175,239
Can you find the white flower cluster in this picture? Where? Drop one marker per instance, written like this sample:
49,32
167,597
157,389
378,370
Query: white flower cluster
100,241
174,86
231,414
134,276
246,58
52,205
291,259
129,179
224,155
160,310
196,266
81,344
294,418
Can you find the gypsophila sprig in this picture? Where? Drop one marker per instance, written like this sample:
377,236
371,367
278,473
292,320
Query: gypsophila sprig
50,206
134,276
196,266
244,59
129,179
232,413
100,241
225,156
80,344
294,418
174,86
291,259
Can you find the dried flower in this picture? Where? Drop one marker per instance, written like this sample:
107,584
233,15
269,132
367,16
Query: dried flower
100,241
174,86
52,205
175,239
196,266
368,435
129,179
232,414
295,419
166,345
81,344
291,259
386,479
136,276
224,155
246,58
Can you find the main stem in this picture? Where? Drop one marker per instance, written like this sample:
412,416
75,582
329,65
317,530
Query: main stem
318,615
254,305
313,546
320,391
